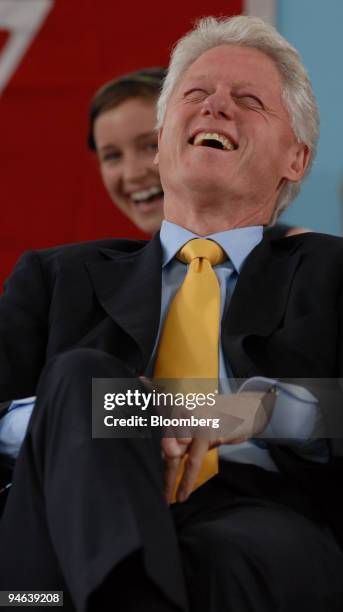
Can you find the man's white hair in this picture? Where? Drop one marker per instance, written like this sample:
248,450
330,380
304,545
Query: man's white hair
298,97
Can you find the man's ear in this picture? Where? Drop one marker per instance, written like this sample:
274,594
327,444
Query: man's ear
300,156
156,158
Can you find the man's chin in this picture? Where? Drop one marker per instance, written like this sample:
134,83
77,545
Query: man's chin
202,175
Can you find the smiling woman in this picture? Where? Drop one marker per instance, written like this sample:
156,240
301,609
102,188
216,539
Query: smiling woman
122,132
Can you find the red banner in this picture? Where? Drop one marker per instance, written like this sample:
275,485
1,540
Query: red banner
53,56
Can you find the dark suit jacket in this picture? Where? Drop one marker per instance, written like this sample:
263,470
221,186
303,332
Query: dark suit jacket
284,321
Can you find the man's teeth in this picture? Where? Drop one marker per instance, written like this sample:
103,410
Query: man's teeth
145,194
205,138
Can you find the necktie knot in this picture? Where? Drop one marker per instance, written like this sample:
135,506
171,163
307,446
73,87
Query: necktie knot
199,248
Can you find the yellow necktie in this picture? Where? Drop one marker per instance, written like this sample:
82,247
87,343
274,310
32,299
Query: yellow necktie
189,343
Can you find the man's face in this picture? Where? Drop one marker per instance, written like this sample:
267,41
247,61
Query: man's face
226,134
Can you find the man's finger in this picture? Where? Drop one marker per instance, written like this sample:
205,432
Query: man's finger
193,463
174,447
170,475
173,453
221,441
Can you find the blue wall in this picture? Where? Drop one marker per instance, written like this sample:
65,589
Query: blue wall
315,29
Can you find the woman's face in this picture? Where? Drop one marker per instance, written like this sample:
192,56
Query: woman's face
126,145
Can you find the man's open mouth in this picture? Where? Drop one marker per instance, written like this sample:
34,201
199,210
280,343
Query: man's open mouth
147,195
214,140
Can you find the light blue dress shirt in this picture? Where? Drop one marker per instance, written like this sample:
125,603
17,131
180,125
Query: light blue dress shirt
296,413
13,425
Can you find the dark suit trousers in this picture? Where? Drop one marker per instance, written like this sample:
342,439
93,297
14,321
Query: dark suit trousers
87,516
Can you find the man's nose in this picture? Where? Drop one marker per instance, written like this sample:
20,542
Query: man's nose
218,106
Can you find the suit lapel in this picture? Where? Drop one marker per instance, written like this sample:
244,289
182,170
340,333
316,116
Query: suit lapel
258,303
128,286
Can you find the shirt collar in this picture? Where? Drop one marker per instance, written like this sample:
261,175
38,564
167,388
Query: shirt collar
237,243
